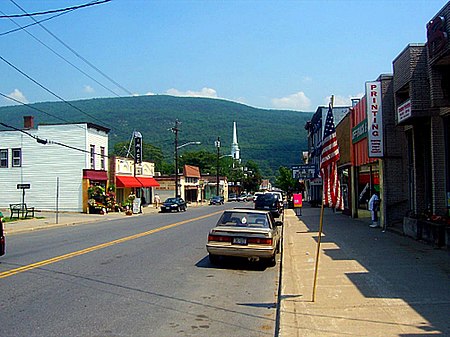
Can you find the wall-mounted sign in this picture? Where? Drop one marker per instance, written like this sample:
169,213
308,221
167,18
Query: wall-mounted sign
359,131
306,171
137,147
404,111
374,120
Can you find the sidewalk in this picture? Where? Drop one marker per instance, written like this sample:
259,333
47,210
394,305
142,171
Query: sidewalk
47,220
369,283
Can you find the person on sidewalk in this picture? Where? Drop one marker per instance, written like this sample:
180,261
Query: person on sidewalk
157,200
374,205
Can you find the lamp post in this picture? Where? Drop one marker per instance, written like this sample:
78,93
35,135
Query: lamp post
217,144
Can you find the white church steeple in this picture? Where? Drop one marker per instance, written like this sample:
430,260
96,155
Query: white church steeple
234,145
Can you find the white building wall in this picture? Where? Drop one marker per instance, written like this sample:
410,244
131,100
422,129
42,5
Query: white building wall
43,165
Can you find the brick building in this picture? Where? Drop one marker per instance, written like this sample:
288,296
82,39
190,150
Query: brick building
422,101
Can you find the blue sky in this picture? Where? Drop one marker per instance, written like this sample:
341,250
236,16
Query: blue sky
269,54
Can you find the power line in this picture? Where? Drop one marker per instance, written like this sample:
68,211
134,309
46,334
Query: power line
32,24
48,90
63,58
92,3
32,107
76,53
50,142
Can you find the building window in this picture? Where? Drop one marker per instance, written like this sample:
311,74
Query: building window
102,158
4,158
93,157
16,157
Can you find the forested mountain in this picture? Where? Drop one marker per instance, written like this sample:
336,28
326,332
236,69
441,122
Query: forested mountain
271,138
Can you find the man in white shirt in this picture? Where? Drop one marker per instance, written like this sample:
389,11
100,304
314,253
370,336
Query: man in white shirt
374,205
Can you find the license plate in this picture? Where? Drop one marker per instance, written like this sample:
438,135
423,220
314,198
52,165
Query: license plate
266,207
240,241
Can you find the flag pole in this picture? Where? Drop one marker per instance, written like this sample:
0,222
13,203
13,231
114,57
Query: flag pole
319,239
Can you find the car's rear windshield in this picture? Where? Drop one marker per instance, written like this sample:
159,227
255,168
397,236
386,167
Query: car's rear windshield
266,199
241,219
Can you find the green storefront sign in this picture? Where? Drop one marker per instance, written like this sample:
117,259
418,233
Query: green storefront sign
359,131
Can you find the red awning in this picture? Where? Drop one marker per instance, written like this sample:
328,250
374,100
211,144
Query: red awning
127,181
95,175
148,182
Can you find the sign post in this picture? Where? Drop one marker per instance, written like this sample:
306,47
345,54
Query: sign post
23,187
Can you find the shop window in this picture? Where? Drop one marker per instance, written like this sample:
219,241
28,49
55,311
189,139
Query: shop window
4,158
16,157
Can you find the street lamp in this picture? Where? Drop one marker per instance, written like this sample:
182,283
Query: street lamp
177,147
217,144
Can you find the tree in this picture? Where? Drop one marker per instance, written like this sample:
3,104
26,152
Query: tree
252,177
285,181
150,153
204,160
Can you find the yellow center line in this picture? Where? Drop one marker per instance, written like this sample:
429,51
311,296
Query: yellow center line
97,247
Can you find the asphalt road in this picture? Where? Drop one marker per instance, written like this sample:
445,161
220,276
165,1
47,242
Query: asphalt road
140,276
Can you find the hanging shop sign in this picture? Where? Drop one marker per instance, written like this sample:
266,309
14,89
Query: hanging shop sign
137,147
374,119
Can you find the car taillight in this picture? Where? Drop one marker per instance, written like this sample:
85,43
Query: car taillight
219,238
260,241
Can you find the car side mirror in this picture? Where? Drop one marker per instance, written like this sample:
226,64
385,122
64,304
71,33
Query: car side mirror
278,223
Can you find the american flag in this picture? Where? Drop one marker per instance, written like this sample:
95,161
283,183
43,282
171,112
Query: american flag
332,196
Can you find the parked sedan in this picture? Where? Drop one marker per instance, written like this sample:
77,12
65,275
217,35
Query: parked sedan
173,204
232,197
247,233
216,201
242,197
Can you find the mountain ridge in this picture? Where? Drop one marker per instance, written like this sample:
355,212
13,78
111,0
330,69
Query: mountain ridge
271,138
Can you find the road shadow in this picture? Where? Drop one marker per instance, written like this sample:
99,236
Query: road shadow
233,263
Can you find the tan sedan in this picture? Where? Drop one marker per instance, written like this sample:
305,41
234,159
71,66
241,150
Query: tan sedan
245,233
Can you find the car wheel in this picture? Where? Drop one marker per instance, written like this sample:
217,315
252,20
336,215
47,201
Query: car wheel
214,259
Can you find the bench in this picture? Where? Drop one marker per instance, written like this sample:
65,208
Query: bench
17,209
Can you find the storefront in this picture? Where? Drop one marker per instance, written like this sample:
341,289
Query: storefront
130,182
365,170
93,181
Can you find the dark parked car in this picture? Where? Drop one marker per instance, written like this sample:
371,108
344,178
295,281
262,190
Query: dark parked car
269,202
173,204
216,201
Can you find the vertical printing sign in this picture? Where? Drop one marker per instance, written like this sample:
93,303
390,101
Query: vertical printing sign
374,119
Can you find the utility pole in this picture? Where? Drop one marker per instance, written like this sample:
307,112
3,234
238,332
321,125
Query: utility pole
175,131
217,143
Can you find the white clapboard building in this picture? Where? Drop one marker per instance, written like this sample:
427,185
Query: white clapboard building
58,162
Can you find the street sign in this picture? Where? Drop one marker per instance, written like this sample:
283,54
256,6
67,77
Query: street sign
23,186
